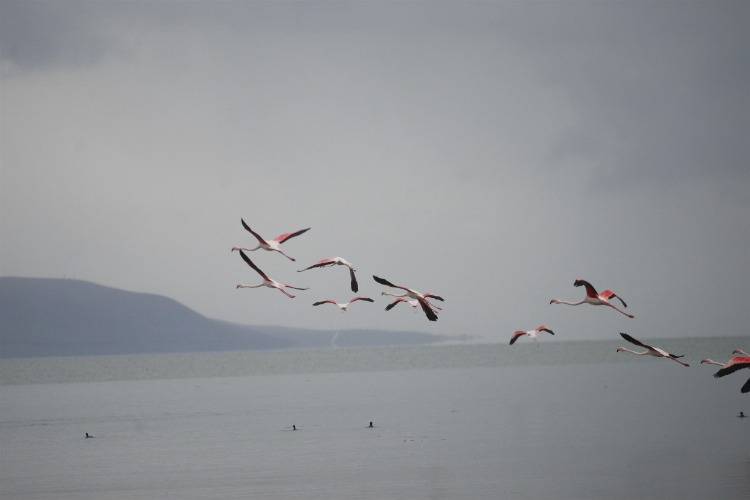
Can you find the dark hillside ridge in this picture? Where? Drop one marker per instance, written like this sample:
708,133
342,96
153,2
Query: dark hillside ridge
64,317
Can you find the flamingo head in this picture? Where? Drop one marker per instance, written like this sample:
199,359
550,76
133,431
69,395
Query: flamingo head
739,351
235,248
620,349
707,360
554,301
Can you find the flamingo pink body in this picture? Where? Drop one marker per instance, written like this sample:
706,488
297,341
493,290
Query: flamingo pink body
273,245
650,350
428,308
343,305
337,261
532,334
594,298
731,366
270,283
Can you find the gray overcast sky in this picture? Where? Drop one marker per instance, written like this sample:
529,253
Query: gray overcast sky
491,152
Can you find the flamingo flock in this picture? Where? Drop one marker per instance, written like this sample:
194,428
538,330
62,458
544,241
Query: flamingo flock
424,301
274,245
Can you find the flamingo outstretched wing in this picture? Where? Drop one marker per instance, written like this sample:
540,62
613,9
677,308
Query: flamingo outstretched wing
320,263
367,299
257,236
353,280
734,364
327,301
609,294
283,237
516,335
590,290
251,264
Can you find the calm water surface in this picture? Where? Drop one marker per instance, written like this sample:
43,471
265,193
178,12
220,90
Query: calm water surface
564,420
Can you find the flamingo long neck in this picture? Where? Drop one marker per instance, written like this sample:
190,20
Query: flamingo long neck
242,285
246,249
633,352
394,295
558,301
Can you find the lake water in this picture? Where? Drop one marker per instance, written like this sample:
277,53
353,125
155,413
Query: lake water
563,420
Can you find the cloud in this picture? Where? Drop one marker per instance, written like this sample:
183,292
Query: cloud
37,35
489,151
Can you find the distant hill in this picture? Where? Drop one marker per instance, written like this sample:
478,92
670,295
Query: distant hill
64,317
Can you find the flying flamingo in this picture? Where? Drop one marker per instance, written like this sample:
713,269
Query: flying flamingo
428,295
413,303
531,333
594,298
344,305
270,283
651,351
273,245
731,366
337,261
413,294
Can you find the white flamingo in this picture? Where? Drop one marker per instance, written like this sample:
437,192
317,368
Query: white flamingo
735,363
337,261
270,283
650,350
273,245
428,308
531,333
343,305
594,298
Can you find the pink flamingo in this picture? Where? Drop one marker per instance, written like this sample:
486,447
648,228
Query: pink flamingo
531,333
337,261
731,366
273,245
343,305
594,298
270,283
650,350
413,294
